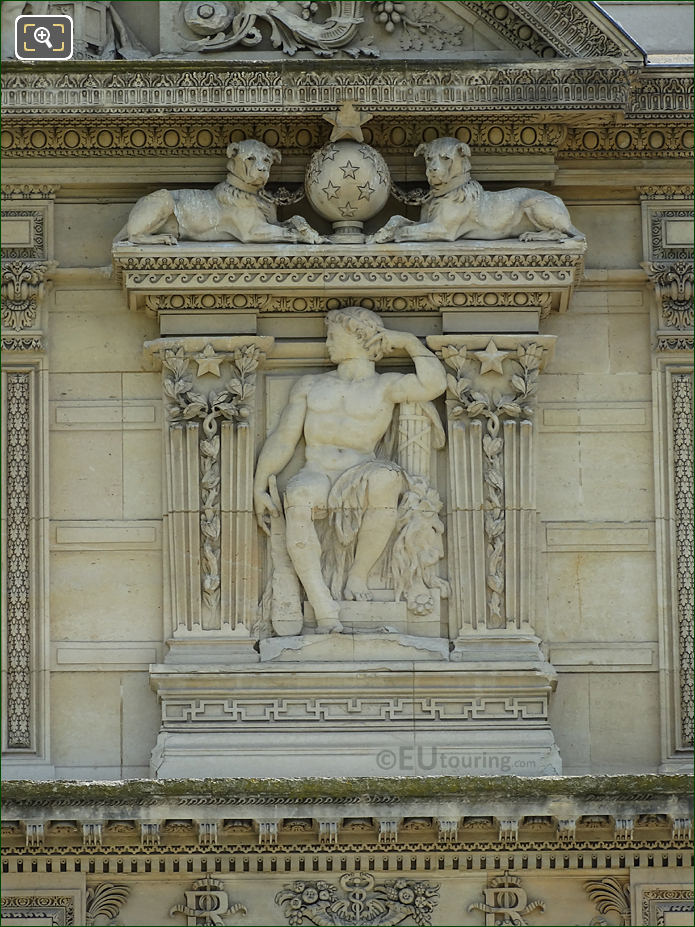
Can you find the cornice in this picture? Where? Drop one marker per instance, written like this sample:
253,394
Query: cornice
116,110
619,788
428,86
264,88
574,30
433,814
246,271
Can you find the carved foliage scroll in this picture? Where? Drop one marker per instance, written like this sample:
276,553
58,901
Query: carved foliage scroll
197,429
490,409
18,608
682,399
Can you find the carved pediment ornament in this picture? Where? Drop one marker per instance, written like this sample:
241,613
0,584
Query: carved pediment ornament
326,29
291,30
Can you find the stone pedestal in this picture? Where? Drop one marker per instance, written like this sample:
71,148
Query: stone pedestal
355,717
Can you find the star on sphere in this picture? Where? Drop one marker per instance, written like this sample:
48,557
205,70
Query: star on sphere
329,152
347,122
348,211
331,191
491,359
208,361
366,191
349,170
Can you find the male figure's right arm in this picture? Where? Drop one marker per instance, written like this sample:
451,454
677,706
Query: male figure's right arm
278,450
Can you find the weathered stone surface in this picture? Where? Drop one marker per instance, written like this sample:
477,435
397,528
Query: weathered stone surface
140,635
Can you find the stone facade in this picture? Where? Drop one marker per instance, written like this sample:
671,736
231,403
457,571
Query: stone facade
457,586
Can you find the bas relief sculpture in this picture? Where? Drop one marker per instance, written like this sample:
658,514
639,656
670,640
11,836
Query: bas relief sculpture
225,25
458,207
351,506
237,209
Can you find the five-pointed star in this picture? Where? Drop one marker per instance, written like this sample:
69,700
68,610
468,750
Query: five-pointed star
349,170
331,191
329,152
347,122
491,358
208,361
366,191
348,210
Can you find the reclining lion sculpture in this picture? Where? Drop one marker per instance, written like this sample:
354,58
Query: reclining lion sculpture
458,207
237,209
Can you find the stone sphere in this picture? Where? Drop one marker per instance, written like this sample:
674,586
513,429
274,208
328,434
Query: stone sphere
347,181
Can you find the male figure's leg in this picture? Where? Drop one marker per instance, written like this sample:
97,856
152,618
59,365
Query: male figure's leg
378,523
306,492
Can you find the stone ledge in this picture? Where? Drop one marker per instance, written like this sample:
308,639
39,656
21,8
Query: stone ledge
464,275
262,790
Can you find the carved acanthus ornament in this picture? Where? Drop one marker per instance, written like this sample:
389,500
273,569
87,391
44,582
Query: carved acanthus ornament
673,286
359,899
23,285
610,896
104,903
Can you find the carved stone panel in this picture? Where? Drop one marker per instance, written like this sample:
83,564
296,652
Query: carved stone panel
209,386
25,732
490,405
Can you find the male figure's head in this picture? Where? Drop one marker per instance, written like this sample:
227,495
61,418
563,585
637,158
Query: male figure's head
365,327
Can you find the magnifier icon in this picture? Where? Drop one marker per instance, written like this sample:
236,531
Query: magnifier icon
43,35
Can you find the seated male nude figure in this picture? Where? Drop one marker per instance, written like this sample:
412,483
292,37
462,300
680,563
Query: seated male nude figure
343,415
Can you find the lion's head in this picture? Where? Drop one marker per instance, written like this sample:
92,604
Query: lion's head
447,163
250,161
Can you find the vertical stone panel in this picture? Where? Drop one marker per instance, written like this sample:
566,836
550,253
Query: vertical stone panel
682,437
25,611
